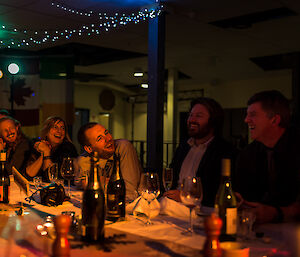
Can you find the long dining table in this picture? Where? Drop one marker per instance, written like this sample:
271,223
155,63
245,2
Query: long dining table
20,235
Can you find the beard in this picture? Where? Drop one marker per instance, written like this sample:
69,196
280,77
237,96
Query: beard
197,131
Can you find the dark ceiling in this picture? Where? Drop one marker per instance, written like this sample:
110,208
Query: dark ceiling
207,41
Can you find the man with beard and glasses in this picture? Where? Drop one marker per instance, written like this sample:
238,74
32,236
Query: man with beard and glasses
93,137
201,155
268,169
14,142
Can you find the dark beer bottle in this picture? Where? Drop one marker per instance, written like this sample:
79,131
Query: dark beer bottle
116,193
4,179
93,206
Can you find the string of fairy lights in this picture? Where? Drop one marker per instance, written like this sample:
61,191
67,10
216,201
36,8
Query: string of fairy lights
23,37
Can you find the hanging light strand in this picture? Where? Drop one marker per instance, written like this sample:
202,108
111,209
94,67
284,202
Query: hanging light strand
149,12
29,37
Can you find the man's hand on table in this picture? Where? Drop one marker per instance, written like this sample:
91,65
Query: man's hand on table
264,213
173,194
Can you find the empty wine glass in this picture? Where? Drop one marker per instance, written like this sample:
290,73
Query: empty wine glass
37,181
191,196
53,172
149,190
167,178
67,171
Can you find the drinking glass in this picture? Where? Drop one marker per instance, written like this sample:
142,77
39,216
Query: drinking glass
245,226
53,172
37,181
67,170
167,178
191,196
149,189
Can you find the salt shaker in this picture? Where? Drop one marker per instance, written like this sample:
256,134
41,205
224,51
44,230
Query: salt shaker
212,226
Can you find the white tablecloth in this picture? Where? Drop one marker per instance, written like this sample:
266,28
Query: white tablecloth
164,228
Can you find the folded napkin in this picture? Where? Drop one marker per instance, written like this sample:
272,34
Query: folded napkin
175,209
140,206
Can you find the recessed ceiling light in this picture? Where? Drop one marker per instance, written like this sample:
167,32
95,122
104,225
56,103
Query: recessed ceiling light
144,85
138,74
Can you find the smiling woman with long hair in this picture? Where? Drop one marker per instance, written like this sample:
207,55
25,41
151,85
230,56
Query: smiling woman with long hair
53,145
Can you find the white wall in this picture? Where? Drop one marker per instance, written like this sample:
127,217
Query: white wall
88,97
236,94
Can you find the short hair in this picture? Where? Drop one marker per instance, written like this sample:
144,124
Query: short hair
4,112
81,136
49,123
216,113
16,122
273,102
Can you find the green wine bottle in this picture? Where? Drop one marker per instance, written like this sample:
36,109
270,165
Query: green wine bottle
93,206
4,179
116,193
226,205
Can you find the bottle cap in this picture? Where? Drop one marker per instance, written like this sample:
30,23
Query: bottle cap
226,167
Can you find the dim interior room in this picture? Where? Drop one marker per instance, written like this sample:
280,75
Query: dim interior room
227,51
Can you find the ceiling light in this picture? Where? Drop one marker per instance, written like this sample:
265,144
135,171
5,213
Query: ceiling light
13,68
144,85
138,74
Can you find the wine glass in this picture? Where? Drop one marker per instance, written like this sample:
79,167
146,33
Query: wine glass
191,196
149,190
53,172
167,178
67,170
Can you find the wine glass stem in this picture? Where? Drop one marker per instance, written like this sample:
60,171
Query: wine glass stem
69,188
148,222
191,222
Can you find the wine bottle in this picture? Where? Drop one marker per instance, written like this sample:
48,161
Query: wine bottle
116,192
93,206
226,205
4,179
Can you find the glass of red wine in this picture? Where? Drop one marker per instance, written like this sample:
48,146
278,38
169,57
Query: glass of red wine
67,170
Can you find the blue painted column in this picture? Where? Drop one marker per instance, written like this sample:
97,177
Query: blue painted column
155,107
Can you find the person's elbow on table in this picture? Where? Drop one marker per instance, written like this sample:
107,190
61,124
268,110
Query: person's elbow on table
173,194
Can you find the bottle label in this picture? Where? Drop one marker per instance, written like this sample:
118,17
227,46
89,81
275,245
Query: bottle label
111,197
113,213
1,193
2,156
231,219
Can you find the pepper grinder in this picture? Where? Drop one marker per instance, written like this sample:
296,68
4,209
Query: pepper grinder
61,245
212,226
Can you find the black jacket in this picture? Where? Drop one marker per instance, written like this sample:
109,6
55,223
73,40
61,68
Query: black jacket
253,176
209,169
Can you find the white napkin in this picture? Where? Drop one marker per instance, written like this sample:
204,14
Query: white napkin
175,209
141,206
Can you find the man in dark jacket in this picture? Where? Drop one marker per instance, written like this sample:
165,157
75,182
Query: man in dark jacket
201,155
268,170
